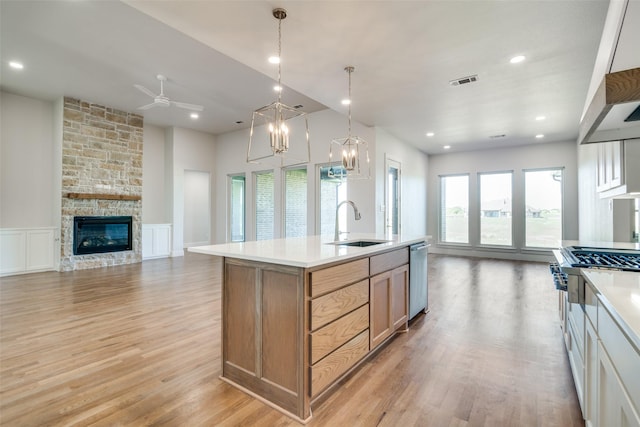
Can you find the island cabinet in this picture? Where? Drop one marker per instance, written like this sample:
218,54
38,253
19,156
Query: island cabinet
291,333
263,332
389,293
339,330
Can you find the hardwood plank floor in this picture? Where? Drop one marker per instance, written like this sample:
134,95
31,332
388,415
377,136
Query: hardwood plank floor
140,345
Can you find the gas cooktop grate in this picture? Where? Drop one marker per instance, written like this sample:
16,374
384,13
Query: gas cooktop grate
615,260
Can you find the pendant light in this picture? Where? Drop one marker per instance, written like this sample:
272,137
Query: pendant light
353,151
272,127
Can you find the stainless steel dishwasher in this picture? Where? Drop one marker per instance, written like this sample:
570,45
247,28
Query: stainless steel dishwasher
418,289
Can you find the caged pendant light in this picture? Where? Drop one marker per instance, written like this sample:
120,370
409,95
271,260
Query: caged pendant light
271,126
353,151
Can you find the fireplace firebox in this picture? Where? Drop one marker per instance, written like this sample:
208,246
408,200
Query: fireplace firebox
100,234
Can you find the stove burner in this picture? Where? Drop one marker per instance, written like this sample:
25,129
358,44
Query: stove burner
613,259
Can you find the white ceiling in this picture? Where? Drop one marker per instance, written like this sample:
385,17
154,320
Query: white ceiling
404,52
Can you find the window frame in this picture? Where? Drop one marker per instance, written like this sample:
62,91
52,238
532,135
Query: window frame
441,209
254,176
524,202
284,197
512,246
229,231
318,197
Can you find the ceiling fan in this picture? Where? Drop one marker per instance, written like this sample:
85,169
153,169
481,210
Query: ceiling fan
162,100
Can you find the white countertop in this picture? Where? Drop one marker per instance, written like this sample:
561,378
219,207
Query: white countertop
619,291
308,251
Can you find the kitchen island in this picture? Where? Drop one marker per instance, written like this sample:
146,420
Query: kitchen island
299,314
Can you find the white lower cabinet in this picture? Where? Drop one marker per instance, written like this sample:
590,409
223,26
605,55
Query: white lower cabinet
614,405
590,375
608,382
27,250
156,240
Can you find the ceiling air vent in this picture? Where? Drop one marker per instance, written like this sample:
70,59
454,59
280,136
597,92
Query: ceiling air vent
502,135
464,80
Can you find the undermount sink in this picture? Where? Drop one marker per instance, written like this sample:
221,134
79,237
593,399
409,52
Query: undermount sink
359,243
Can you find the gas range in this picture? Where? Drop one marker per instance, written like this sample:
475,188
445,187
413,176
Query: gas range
570,259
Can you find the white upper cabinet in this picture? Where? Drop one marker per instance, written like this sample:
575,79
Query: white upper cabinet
617,171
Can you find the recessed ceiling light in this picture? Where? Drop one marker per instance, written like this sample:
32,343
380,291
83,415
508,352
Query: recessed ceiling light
277,88
517,59
16,65
539,118
274,59
539,136
346,101
446,147
194,115
430,134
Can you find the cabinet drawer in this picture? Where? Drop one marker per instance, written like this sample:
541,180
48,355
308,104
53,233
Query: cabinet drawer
624,356
332,278
337,363
389,260
328,308
332,336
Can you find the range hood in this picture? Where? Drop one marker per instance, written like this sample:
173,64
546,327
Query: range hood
613,114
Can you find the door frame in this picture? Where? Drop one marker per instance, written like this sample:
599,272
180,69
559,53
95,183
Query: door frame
389,163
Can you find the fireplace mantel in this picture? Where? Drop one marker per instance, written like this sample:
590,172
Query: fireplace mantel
103,196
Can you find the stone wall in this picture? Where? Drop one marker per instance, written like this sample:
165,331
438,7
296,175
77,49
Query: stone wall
101,154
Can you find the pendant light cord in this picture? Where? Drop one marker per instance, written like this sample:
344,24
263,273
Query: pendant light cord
279,59
349,70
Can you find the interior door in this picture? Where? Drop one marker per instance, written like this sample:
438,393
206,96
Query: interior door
392,196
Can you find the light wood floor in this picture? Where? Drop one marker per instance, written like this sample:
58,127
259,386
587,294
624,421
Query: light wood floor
140,345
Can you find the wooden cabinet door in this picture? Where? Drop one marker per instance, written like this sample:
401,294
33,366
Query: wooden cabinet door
380,325
399,296
388,303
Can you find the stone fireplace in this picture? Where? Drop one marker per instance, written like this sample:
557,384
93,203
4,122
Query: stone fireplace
101,177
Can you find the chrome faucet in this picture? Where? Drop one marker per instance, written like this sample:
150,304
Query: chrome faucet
356,214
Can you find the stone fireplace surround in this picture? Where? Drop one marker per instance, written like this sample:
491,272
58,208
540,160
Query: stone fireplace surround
101,176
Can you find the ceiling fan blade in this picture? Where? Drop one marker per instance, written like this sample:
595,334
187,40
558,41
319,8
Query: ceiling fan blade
145,90
146,107
187,106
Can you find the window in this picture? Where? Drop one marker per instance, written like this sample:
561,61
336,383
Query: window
496,209
264,190
295,202
236,208
332,191
454,209
543,208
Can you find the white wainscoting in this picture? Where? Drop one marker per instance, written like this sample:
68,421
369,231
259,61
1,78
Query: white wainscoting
27,250
156,241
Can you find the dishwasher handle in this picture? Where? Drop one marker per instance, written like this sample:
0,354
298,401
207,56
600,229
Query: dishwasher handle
419,247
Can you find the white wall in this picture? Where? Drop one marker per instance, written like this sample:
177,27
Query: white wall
153,176
550,155
28,188
413,191
596,215
197,208
231,154
186,149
